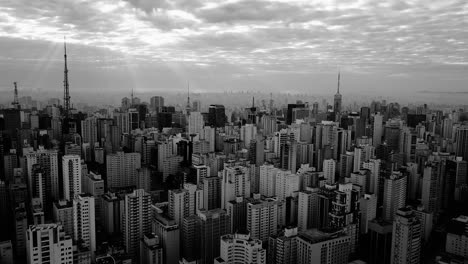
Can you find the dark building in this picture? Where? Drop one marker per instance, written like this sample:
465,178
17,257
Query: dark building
413,119
216,116
379,242
11,121
164,120
289,114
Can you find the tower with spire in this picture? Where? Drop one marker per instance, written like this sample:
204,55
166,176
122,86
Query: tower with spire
337,101
15,98
188,108
66,91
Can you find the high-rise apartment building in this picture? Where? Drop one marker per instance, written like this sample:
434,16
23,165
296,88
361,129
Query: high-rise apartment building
136,219
262,218
47,243
316,246
84,221
406,238
394,195
71,172
235,182
122,169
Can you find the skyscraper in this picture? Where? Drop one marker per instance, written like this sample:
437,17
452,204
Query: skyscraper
262,218
337,102
48,243
216,115
462,142
394,195
122,169
136,219
235,183
151,251
71,171
317,246
84,221
406,238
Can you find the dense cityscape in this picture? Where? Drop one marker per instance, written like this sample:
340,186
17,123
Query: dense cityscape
303,182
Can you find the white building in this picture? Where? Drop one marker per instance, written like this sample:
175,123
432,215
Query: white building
315,246
240,248
48,243
84,221
268,180
235,183
329,167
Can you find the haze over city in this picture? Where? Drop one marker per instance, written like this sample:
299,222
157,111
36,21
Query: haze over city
382,48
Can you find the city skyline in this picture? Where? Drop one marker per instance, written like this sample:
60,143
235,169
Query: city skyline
412,48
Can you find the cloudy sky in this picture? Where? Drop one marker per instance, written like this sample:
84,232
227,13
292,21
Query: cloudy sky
381,47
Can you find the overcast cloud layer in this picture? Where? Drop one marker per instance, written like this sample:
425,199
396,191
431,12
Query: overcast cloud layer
277,45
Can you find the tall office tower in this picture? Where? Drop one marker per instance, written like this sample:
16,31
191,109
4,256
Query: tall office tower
316,246
257,151
462,142
48,161
71,171
426,220
133,119
94,185
240,248
268,180
394,196
346,164
380,241
282,247
360,179
392,135
84,221
63,215
10,162
430,187
195,123
168,232
216,116
179,205
211,193
156,103
337,102
329,167
308,209
269,124
457,177
377,132
305,154
237,211
121,119
373,165
195,198
288,156
457,236
209,134
286,184
406,238
151,250
345,212
6,252
368,208
235,182
89,130
122,169
248,132
262,218
20,227
48,243
136,219
408,140
202,233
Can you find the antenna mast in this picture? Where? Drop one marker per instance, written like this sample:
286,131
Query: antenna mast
15,99
66,92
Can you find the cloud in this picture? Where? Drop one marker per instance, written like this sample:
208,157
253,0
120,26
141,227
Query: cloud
244,37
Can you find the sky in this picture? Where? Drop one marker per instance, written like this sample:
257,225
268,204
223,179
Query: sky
380,47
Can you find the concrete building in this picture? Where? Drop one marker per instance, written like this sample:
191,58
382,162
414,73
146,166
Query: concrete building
316,246
136,219
406,238
240,248
71,172
47,243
